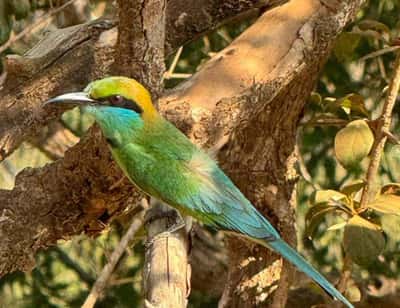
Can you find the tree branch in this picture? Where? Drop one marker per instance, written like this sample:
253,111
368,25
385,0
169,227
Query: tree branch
71,195
381,134
166,272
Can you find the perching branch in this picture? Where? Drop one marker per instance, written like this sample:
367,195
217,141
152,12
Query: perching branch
166,272
381,134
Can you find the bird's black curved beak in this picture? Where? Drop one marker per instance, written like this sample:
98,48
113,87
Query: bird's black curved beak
72,99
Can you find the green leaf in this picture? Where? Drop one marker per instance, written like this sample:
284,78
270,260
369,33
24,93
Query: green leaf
315,98
354,103
353,188
369,24
345,46
20,8
386,204
326,196
391,226
351,104
352,293
370,34
324,206
5,22
391,188
314,217
363,241
353,143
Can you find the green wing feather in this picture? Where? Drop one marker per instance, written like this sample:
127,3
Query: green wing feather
220,203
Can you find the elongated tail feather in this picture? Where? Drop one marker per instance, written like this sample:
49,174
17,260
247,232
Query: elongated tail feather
293,257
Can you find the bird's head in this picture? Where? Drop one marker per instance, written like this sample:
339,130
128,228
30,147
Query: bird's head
118,104
117,92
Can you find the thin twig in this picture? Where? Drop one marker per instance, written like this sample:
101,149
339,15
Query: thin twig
178,76
170,73
174,63
381,133
325,121
105,274
379,52
31,27
344,278
382,69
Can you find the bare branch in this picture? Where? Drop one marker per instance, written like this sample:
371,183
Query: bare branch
101,282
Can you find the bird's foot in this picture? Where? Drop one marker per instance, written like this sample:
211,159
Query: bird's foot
167,233
176,227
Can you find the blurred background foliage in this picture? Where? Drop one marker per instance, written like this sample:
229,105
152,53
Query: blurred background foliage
64,274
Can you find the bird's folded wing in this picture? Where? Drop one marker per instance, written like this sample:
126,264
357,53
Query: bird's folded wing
217,201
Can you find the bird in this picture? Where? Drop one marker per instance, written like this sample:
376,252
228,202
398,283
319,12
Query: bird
163,163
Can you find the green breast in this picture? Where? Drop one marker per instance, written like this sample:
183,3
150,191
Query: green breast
155,161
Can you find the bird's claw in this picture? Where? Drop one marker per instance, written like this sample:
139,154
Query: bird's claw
167,233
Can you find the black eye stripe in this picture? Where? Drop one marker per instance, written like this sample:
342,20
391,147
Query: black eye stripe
122,102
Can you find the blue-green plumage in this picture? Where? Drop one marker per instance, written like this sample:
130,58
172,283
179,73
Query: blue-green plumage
163,163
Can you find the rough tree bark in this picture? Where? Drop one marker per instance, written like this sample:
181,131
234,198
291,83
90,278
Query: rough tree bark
255,102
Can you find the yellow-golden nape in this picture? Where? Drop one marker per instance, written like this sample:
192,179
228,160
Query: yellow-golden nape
126,87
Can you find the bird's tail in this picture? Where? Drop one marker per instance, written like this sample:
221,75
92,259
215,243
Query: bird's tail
292,256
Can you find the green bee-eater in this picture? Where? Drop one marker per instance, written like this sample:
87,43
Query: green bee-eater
162,162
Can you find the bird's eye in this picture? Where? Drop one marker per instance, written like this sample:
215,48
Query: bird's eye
116,100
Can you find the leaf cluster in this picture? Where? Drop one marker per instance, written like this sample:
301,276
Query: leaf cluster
363,238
